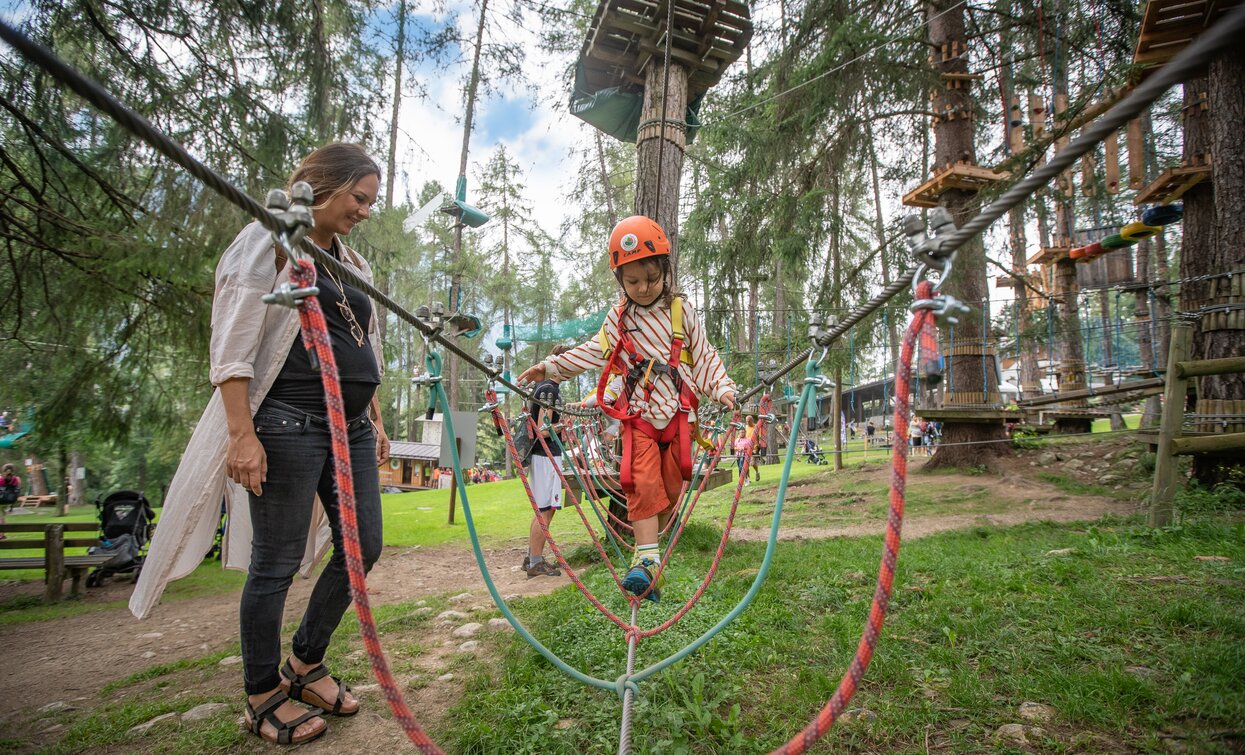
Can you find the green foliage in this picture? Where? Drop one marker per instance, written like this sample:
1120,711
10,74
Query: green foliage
1197,499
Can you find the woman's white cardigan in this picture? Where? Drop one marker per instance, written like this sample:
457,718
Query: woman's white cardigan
249,339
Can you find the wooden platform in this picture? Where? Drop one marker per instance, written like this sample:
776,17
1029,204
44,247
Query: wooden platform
960,176
1172,184
1168,26
983,415
1050,255
626,36
1058,414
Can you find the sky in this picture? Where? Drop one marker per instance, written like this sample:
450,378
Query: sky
540,139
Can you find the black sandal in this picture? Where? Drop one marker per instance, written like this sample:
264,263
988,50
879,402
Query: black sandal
300,692
285,729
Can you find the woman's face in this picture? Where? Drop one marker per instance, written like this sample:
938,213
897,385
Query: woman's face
349,208
642,280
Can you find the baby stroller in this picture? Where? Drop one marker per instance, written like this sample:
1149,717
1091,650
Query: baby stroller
813,452
125,529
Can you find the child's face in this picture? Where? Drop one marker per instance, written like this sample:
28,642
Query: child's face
642,280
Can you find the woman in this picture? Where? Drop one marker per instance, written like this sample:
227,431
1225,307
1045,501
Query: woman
266,430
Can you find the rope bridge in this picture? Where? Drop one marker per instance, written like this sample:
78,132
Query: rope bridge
936,253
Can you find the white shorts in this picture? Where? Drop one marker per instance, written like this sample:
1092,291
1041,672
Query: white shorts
546,486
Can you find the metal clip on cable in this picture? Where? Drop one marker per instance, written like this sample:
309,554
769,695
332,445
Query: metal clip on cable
296,219
931,250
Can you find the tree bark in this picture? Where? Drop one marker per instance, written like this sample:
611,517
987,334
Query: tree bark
77,485
1222,334
1144,320
659,155
953,142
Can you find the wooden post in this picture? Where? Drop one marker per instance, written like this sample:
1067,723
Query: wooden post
458,443
1136,155
1164,492
54,561
1111,163
1015,126
1037,117
453,495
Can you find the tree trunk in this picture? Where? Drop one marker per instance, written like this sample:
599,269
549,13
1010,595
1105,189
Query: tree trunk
456,273
1144,320
1029,373
879,231
607,188
38,476
1222,334
953,142
399,57
320,75
1072,376
77,483
659,156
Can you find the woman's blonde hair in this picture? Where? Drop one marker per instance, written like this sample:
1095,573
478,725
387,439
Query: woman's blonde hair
334,169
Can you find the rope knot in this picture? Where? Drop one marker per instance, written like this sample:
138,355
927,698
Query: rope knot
624,683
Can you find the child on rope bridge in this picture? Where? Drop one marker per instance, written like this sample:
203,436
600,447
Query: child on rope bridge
655,342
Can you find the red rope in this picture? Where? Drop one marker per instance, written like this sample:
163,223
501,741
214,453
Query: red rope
316,337
921,328
527,487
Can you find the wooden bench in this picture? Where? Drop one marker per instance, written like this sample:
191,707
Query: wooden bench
55,564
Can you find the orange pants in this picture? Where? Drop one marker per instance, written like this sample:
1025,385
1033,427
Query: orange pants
658,481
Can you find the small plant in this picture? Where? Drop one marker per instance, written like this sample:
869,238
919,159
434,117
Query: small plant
1222,498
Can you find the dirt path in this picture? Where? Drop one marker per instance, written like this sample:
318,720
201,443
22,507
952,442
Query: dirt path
69,658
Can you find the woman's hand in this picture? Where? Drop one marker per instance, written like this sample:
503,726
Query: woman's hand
382,444
728,400
246,461
533,374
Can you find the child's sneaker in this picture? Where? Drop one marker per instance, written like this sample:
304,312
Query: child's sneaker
640,576
543,569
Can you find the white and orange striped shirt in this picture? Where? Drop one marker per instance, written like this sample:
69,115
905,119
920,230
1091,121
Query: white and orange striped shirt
651,334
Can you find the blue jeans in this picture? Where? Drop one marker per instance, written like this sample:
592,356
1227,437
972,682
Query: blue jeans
300,466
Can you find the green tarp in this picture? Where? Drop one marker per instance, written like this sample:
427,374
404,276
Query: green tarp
616,110
568,330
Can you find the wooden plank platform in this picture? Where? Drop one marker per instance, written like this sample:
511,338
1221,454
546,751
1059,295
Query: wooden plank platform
1050,255
626,36
961,176
1168,26
970,415
1172,184
1074,414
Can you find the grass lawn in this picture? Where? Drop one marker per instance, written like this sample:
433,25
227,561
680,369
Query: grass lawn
1121,630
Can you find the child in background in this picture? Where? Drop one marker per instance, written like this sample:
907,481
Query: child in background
656,343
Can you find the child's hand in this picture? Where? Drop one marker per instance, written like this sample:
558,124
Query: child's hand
533,374
728,400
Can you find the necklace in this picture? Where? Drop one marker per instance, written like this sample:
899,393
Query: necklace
356,330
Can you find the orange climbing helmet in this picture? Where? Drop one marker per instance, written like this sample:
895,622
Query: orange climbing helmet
636,238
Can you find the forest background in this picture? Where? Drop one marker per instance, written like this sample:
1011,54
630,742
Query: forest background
789,198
